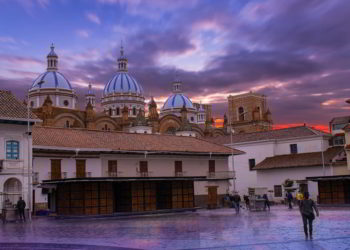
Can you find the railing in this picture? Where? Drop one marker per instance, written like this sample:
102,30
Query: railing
144,174
180,174
36,178
57,176
82,175
221,175
113,174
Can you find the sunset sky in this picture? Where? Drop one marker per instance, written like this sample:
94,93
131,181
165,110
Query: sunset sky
297,52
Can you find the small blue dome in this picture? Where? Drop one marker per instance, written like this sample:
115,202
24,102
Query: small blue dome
177,101
51,79
123,83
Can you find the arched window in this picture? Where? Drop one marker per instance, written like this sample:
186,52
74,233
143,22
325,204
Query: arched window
240,114
133,111
13,189
118,111
12,150
110,111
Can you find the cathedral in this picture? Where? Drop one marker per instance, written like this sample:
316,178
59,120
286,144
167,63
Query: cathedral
54,100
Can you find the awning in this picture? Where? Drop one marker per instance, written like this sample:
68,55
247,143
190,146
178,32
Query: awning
329,178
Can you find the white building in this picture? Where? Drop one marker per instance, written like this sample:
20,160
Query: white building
98,172
264,163
15,150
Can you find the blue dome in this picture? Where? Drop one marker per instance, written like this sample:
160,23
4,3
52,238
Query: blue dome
51,79
123,83
177,101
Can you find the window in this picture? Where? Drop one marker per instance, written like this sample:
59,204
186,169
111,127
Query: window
67,125
118,111
251,164
110,111
293,148
133,111
12,150
65,103
56,169
192,119
339,140
278,190
240,114
338,126
32,104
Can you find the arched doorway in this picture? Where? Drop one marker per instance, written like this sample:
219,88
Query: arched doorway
12,190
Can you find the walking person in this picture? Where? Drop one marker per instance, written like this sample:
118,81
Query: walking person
246,200
21,205
290,200
307,207
236,201
267,202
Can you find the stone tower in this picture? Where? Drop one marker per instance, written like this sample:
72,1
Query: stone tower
249,113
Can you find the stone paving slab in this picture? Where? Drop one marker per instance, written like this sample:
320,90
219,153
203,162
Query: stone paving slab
280,228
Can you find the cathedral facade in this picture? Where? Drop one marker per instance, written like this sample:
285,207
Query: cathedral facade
55,102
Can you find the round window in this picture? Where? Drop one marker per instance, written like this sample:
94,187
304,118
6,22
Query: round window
65,103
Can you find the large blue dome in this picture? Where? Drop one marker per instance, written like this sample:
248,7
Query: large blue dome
51,79
177,101
122,82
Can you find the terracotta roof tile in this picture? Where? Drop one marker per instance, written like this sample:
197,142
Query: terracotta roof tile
13,109
286,133
299,160
96,139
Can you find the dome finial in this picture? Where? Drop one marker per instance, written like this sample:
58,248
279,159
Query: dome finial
121,48
122,60
52,59
177,84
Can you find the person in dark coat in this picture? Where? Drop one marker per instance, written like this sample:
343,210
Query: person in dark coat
307,207
21,205
266,202
236,201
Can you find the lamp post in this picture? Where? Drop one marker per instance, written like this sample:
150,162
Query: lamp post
232,160
29,160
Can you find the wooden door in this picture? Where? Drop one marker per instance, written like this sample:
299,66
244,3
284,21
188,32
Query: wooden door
211,168
178,168
80,168
112,168
212,197
55,169
143,168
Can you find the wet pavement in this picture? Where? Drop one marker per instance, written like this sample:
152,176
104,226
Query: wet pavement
205,229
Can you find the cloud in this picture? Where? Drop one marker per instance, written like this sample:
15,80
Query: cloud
7,39
83,33
93,18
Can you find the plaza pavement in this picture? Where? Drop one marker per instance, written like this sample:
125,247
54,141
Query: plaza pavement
205,229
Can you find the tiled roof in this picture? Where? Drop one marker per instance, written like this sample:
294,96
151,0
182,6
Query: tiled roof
13,109
299,160
286,133
47,137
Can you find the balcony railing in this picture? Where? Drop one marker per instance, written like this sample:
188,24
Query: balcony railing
57,176
82,175
144,174
113,174
36,178
221,175
180,174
